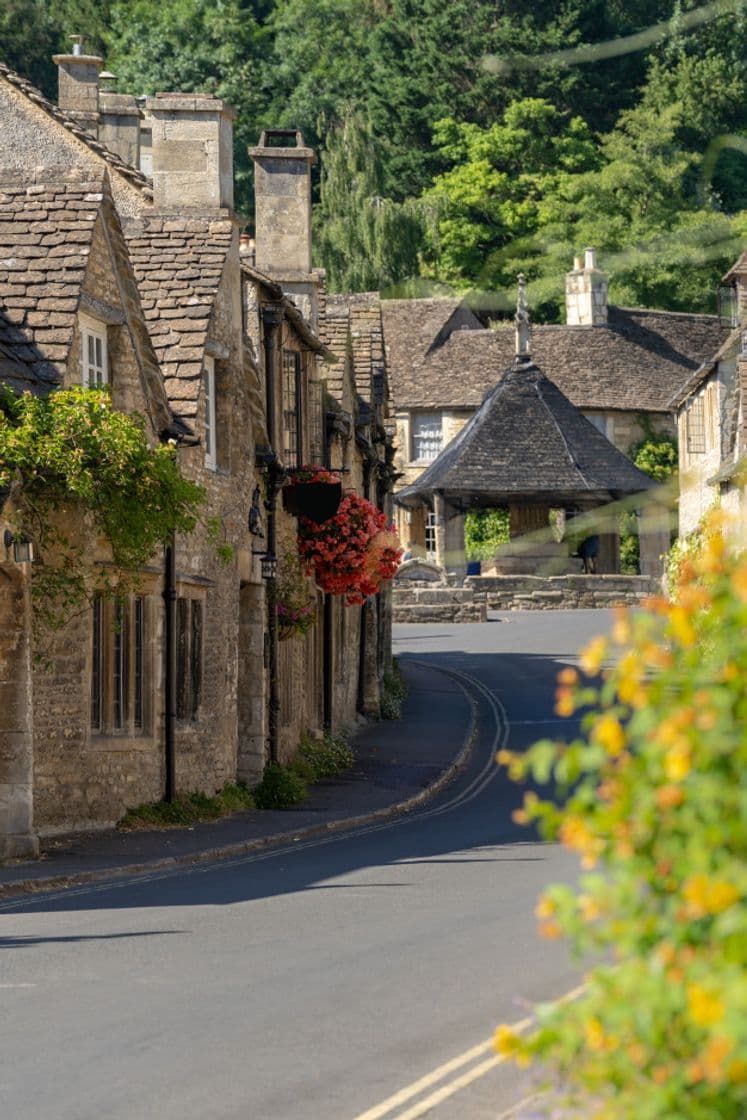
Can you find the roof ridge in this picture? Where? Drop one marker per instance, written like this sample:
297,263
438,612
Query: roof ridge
131,174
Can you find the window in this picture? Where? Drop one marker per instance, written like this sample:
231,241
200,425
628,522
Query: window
208,376
93,356
119,656
188,658
427,435
317,442
695,425
430,534
292,451
601,422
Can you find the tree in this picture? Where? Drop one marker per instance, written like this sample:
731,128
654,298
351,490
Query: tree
364,241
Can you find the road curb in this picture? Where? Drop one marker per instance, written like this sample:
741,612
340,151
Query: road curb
243,847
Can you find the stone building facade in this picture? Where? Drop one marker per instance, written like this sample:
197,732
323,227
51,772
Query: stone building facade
192,334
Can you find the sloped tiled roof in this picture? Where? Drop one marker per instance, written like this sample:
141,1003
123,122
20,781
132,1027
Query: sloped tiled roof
412,329
637,362
68,122
179,263
46,229
528,440
361,312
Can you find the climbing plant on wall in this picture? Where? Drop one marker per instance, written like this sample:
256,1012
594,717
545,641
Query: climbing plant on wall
77,469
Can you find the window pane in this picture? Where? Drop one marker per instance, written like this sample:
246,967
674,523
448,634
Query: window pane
196,657
96,664
427,438
91,352
696,426
119,667
182,659
139,623
291,387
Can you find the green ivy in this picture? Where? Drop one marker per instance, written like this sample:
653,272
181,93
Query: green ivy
76,466
485,530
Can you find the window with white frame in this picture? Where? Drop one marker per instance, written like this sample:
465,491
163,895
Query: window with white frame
427,436
695,426
93,353
430,534
208,377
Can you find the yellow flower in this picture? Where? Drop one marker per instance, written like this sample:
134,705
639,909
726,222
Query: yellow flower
739,583
506,1041
568,676
736,1071
669,797
621,626
589,907
678,760
609,734
706,896
704,1007
565,705
505,758
550,930
592,657
546,907
594,1034
713,1057
681,627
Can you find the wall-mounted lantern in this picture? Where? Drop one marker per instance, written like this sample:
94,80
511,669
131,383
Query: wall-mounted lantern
23,549
268,564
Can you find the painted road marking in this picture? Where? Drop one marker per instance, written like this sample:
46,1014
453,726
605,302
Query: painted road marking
389,1108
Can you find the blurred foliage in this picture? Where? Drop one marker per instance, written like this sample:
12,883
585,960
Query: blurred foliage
651,798
485,530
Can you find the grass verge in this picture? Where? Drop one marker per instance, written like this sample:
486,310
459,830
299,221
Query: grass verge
394,689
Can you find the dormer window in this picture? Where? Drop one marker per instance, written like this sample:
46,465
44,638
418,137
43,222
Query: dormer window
211,459
94,359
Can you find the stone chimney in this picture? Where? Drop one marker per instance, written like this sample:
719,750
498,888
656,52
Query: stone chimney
119,126
586,293
192,138
282,189
78,85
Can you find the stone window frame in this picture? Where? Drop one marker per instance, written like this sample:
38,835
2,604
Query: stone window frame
122,665
191,615
695,428
292,408
92,332
415,436
211,433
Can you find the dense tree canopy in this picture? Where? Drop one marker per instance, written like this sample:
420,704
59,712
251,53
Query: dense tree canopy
481,137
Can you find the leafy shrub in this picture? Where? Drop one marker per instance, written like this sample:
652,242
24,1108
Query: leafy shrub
485,530
191,808
323,758
280,788
394,689
630,551
655,802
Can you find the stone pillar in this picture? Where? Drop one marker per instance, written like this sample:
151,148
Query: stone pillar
439,509
654,539
192,138
78,85
120,126
456,558
17,837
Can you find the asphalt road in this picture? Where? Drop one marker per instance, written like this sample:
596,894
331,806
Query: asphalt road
319,981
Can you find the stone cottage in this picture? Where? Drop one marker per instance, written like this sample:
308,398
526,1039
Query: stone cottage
619,366
220,352
711,419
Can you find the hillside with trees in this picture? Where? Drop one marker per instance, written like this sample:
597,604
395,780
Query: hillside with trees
463,142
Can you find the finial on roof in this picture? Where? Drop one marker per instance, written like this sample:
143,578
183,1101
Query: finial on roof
523,325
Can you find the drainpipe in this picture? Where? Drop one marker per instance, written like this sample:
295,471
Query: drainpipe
169,600
272,317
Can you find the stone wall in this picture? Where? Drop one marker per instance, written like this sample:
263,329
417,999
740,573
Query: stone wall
557,592
416,602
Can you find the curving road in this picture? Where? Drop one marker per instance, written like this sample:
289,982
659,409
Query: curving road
353,977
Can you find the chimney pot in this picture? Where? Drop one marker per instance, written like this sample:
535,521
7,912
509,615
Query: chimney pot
282,190
578,264
590,259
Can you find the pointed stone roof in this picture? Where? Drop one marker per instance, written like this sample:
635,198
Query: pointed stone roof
527,441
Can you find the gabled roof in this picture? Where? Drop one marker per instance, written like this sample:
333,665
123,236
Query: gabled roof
636,362
704,371
301,325
132,174
413,330
46,231
528,441
361,314
179,263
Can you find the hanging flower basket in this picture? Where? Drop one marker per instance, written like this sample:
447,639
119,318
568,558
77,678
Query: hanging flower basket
352,553
314,493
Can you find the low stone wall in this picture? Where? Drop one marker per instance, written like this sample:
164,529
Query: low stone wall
506,593
426,603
